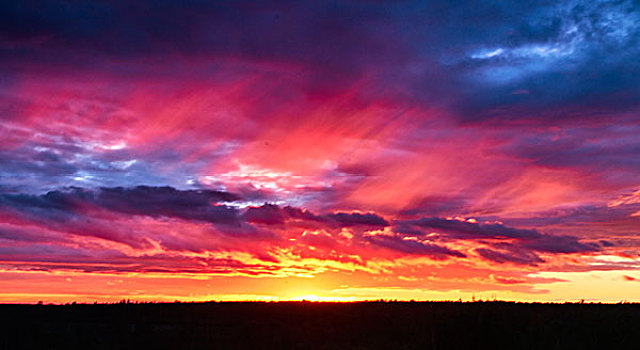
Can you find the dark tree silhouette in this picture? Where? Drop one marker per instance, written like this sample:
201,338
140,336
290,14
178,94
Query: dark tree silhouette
307,325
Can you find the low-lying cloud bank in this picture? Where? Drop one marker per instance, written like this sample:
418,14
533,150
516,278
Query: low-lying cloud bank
147,228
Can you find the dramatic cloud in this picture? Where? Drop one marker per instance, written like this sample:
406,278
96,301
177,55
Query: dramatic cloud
519,257
374,146
86,213
524,242
166,201
469,230
199,205
413,247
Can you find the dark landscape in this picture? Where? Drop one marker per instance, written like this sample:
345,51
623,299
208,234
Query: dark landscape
309,325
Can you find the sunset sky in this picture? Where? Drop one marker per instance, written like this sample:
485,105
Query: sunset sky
320,150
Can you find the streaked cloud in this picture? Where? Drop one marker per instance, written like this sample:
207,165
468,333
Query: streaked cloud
358,147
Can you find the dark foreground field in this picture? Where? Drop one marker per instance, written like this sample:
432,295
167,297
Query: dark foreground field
303,325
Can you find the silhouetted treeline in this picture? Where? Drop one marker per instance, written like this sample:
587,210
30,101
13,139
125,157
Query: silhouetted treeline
305,325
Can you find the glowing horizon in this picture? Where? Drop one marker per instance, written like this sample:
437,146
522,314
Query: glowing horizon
330,151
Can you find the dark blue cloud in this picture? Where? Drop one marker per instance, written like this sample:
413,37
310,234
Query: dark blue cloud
550,62
267,214
270,214
198,205
560,244
472,230
358,219
523,248
519,257
491,60
413,247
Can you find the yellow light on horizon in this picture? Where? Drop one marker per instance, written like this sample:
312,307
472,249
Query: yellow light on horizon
317,298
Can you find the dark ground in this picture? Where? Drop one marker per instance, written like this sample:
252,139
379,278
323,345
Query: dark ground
304,325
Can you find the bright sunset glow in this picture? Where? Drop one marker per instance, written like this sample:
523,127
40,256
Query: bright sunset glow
320,151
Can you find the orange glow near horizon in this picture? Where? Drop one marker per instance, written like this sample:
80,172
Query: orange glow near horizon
271,152
61,287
